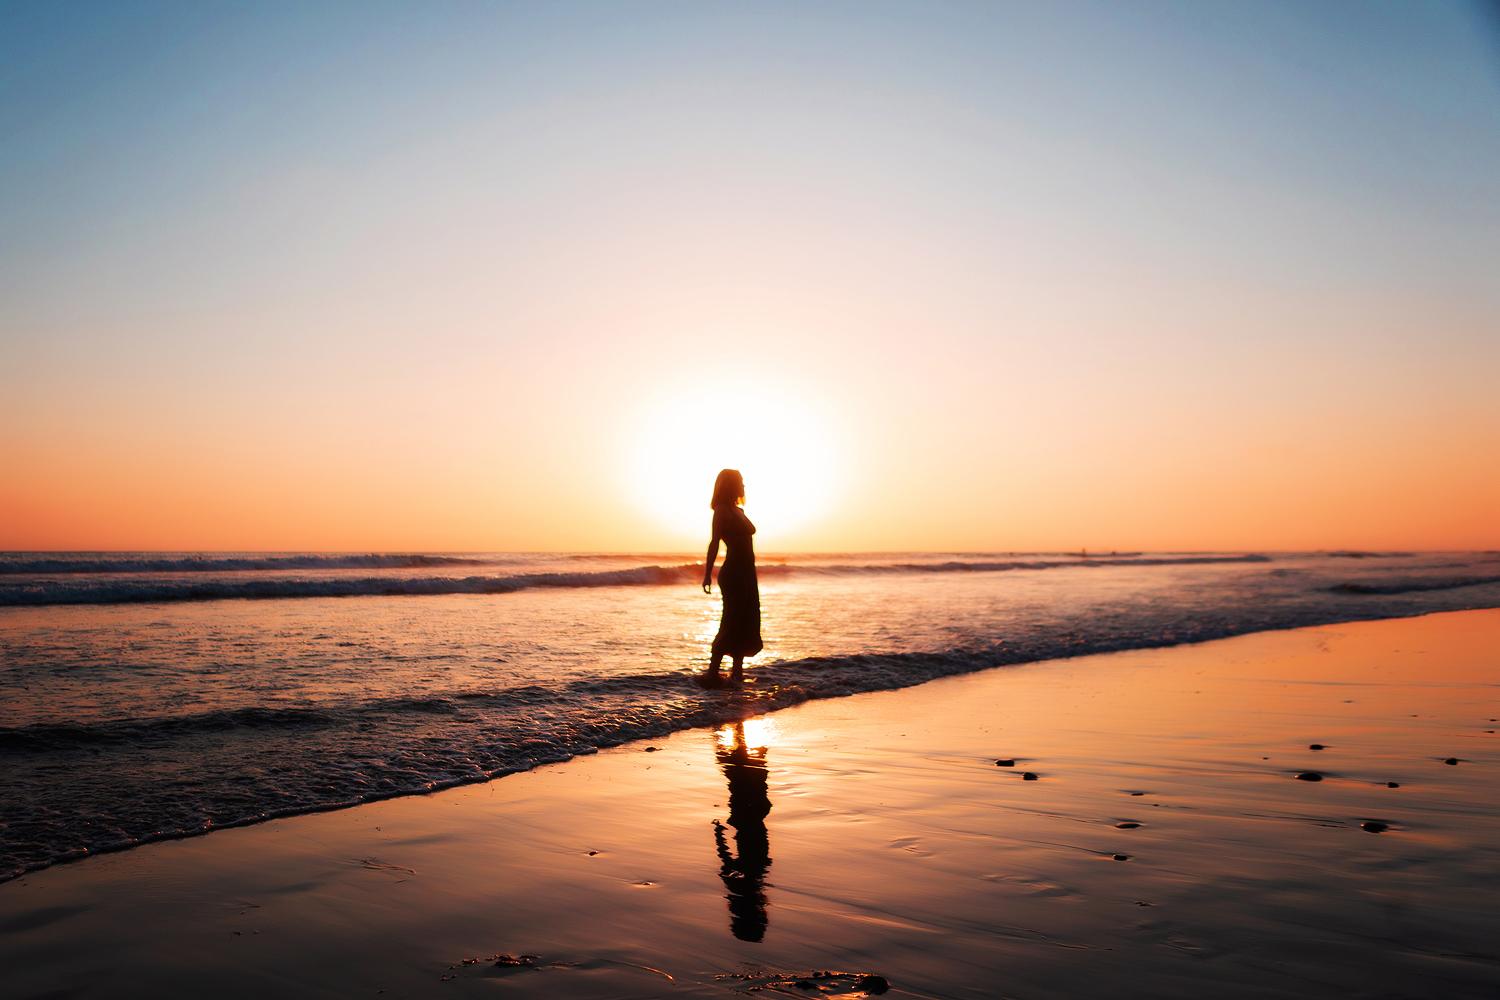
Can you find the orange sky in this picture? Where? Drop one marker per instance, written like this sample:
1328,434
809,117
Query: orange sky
981,280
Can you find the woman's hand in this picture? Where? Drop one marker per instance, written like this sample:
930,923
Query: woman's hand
707,588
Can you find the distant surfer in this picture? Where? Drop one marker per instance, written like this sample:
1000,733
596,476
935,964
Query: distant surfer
739,624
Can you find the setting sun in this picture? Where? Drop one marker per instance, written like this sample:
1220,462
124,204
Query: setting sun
784,449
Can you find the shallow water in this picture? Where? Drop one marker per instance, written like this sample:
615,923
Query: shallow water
1165,851
141,696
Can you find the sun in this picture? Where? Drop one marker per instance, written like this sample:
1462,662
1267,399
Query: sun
781,445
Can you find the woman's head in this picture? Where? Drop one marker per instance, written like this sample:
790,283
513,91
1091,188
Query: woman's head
729,489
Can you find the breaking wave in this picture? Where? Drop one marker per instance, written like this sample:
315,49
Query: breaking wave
230,564
1409,586
132,591
147,591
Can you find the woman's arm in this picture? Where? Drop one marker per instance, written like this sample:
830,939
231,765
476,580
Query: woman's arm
708,564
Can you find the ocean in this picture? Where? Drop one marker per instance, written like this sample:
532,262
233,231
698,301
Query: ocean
153,695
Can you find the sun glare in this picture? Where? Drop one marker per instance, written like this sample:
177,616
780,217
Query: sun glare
782,447
759,734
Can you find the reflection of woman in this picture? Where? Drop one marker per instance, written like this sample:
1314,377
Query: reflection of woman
739,626
744,876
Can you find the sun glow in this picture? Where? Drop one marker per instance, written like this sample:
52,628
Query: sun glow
781,446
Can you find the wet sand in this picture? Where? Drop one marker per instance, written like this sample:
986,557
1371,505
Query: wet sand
1165,848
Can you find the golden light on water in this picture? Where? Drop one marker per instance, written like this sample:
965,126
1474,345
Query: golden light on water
759,734
782,446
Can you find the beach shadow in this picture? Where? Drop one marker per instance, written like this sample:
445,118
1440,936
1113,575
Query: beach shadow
744,869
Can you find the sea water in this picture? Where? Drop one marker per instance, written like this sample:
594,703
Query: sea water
150,695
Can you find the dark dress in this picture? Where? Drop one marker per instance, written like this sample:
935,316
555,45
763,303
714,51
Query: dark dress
739,627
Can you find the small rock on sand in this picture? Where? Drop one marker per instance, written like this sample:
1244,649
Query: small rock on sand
1122,857
517,961
1316,746
1374,826
1028,776
1451,760
1126,826
1393,784
1005,762
1309,776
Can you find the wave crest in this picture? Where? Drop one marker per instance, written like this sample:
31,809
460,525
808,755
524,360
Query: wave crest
1409,586
35,593
231,564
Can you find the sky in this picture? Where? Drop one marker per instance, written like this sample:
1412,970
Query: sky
935,276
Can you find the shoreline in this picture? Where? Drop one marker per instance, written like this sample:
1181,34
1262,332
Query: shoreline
784,685
888,843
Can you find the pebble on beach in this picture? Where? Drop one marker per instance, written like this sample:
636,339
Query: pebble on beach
1126,826
1028,776
517,961
1393,784
1374,826
1309,776
1451,760
814,983
1316,746
1005,762
1122,857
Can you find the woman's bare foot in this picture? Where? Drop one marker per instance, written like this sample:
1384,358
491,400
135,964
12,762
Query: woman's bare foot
712,680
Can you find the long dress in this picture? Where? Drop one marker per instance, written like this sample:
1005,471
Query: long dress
739,626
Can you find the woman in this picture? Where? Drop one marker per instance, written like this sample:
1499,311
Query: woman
739,626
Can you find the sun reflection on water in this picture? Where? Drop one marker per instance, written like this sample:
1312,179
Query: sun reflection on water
752,734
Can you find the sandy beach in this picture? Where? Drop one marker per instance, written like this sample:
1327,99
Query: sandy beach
1165,848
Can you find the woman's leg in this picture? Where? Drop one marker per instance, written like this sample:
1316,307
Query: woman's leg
737,672
715,657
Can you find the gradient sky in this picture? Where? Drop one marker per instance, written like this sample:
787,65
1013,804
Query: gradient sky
987,276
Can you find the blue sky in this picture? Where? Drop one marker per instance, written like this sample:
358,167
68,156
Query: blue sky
1063,242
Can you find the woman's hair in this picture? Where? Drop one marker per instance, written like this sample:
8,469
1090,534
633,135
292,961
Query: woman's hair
729,489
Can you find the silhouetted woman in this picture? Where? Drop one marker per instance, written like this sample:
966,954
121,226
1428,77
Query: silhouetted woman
739,625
